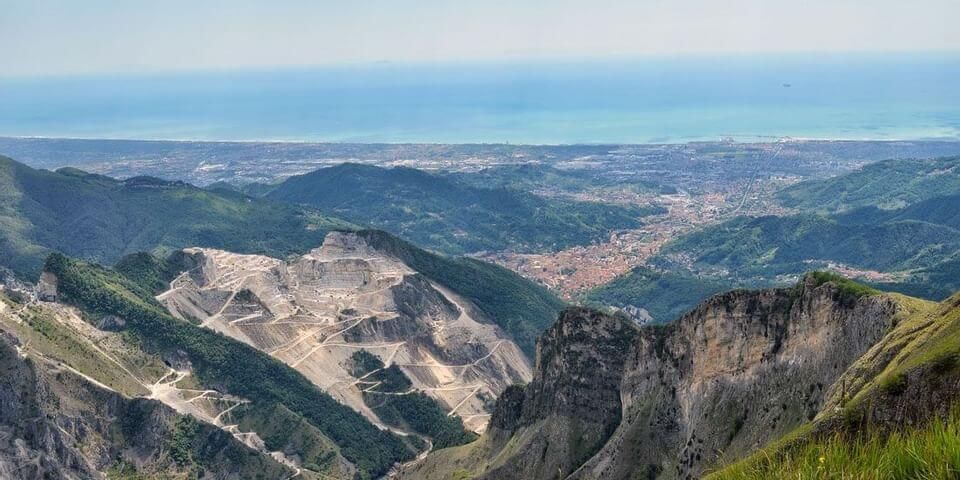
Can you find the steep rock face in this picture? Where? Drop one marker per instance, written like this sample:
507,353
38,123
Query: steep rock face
573,403
740,370
314,312
56,423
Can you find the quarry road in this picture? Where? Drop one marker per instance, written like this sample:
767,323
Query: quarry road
209,406
468,397
420,457
465,365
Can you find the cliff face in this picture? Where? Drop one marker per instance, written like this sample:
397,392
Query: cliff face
742,369
573,403
613,401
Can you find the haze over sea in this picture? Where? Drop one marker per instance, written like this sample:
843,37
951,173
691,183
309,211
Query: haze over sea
653,100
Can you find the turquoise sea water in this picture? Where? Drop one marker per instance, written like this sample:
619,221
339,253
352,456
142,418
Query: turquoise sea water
624,101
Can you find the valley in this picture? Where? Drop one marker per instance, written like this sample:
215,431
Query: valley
525,313
420,240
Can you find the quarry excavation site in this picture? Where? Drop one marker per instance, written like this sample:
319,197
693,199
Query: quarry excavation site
316,311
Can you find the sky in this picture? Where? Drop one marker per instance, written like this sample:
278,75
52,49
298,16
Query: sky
62,37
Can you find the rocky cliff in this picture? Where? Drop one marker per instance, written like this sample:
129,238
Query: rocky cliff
613,401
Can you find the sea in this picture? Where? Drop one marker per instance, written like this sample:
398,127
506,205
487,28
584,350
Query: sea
612,100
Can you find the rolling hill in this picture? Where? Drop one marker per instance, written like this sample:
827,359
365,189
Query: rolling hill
888,184
545,178
99,218
664,296
442,213
919,242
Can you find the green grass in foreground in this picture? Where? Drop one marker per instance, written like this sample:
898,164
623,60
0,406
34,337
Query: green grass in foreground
932,452
847,287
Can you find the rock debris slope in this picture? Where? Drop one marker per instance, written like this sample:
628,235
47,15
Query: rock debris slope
610,400
316,311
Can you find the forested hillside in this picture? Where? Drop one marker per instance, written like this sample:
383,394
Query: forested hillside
100,218
442,213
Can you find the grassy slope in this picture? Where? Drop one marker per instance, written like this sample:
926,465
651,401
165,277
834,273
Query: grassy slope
226,364
930,452
99,218
285,431
442,213
184,447
924,346
522,308
887,184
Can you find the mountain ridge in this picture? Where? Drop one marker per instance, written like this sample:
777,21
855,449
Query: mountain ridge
743,369
99,218
448,215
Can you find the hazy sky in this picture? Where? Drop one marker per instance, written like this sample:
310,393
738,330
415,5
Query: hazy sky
39,37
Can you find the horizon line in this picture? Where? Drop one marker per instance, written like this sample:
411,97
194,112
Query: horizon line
490,61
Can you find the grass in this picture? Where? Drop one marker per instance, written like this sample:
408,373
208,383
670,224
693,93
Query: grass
848,288
45,333
932,452
925,334
925,337
283,430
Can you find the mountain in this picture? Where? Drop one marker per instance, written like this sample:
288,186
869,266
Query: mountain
520,307
916,242
339,363
199,371
655,296
896,405
57,423
444,214
101,219
545,178
744,370
888,184
894,223
346,314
